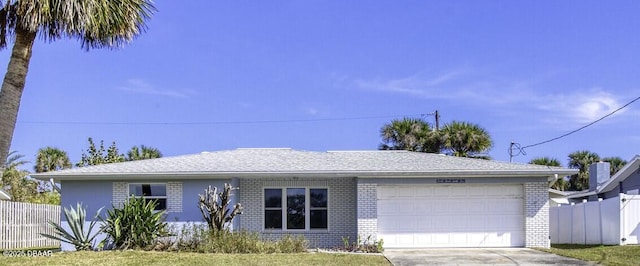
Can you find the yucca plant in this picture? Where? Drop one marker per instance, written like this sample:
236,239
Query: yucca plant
137,225
78,237
215,209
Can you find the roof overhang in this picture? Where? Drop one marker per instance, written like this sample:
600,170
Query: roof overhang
4,195
549,174
626,171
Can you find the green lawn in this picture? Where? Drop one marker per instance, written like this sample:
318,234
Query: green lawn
169,258
605,255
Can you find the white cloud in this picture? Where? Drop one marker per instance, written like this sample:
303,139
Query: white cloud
420,84
312,110
245,104
462,84
580,107
568,108
142,87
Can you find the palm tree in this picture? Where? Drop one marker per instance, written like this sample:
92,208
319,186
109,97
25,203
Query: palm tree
51,159
14,179
560,184
581,161
616,163
548,161
96,23
143,153
409,134
465,139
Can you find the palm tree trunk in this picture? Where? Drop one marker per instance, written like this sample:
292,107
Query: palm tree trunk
12,87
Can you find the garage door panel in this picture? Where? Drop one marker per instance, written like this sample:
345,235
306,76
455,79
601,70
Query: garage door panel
451,215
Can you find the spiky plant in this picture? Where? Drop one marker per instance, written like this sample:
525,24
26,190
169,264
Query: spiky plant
136,225
80,238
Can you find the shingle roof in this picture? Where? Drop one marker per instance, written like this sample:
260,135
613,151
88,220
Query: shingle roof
628,170
288,161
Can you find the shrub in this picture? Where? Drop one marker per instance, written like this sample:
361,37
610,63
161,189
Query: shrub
76,219
200,238
135,225
359,245
215,209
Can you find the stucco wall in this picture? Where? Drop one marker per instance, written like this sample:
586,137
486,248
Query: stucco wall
342,208
631,185
92,194
182,195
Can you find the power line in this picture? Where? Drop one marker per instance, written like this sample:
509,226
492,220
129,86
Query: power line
583,127
216,122
522,151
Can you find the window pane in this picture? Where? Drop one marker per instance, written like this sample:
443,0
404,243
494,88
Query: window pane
273,198
318,198
147,189
157,190
318,219
135,189
295,208
273,219
161,204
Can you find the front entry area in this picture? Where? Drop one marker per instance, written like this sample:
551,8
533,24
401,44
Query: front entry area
451,215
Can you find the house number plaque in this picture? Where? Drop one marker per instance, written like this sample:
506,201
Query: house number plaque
451,180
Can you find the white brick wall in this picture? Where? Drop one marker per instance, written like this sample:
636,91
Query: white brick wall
367,210
120,190
536,215
174,197
342,208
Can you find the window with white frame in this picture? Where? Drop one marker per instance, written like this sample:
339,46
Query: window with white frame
296,208
150,192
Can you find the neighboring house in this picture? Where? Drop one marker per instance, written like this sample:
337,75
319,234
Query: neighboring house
558,197
4,195
608,213
604,186
407,199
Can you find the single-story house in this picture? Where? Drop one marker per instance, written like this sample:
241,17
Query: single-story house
406,199
608,213
604,186
4,195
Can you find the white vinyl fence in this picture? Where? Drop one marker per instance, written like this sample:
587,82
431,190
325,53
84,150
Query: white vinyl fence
614,221
22,223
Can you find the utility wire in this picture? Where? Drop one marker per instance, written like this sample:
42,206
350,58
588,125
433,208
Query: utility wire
583,127
217,122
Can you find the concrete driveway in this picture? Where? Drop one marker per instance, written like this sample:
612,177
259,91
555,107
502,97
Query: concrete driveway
477,256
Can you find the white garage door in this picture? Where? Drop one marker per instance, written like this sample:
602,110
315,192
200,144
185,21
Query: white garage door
456,215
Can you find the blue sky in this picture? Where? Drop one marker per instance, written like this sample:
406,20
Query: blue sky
216,75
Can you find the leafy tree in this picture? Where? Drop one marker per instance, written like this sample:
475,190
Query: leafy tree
143,153
581,160
51,159
465,139
15,181
409,134
95,23
96,156
561,183
616,163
